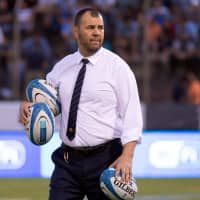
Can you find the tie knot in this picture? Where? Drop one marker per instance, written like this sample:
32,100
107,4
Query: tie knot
85,61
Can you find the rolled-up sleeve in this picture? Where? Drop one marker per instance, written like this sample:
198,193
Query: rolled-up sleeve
129,106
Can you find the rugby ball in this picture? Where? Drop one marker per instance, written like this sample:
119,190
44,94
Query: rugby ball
40,127
38,91
114,188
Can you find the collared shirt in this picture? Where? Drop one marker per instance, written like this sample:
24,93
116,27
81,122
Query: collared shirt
109,105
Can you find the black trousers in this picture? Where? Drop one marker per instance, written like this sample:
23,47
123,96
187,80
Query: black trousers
76,173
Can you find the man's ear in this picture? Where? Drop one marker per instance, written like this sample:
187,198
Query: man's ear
75,32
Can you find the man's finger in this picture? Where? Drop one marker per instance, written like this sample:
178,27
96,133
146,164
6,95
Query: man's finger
127,176
123,172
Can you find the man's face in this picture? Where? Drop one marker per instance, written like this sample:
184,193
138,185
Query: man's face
89,34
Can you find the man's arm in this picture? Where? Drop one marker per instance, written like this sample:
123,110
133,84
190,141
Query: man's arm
124,163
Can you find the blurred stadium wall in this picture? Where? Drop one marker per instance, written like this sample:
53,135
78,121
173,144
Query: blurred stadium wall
170,146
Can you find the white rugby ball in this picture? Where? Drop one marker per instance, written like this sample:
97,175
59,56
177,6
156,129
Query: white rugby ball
114,188
38,91
40,127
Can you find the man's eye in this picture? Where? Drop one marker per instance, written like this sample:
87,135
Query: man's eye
90,27
101,28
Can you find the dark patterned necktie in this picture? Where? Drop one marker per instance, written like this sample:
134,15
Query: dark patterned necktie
71,129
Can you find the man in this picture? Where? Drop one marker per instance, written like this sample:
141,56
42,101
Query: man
108,122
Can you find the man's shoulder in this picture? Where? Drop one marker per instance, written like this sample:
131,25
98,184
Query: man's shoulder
112,54
63,64
68,59
108,52
113,57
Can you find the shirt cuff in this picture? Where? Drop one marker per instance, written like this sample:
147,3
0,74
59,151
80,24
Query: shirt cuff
131,135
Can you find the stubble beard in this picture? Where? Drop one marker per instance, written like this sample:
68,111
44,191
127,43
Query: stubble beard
91,49
88,47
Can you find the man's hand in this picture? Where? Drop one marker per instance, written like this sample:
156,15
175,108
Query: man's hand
24,112
124,163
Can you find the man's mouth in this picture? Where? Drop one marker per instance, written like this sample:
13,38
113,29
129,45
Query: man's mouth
95,41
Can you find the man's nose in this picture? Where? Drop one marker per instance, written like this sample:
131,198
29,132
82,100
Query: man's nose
96,31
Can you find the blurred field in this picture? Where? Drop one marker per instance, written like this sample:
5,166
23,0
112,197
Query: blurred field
149,189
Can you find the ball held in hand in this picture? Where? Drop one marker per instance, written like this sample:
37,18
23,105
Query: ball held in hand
39,91
40,127
114,188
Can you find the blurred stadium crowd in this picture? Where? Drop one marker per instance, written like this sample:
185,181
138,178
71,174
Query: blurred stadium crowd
169,29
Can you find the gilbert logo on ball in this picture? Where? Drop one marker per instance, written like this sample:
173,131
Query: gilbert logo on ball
114,188
38,91
40,127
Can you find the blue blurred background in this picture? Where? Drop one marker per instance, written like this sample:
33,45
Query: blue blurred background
159,39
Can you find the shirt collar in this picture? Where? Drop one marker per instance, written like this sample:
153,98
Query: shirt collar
93,58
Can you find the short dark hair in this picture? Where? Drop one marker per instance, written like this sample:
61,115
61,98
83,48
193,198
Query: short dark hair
93,11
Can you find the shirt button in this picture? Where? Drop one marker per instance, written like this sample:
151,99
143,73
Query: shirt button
70,130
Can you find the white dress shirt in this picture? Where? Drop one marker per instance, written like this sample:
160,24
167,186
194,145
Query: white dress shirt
109,105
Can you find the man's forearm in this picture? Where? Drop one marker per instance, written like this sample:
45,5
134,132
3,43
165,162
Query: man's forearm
129,148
